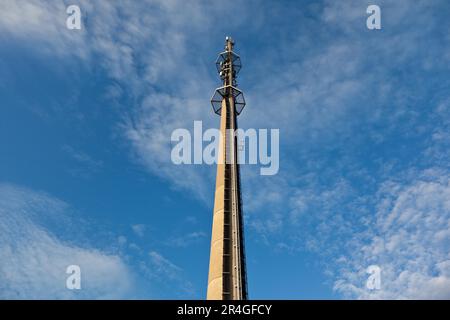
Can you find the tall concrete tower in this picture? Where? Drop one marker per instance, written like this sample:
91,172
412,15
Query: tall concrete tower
227,272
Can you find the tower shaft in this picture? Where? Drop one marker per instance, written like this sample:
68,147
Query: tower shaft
227,270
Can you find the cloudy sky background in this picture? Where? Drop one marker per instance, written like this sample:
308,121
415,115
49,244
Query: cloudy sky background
85,124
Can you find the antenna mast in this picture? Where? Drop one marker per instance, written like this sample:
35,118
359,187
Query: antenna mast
227,278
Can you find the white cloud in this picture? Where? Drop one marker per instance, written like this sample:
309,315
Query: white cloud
164,271
84,164
33,260
187,239
410,241
139,229
42,24
129,42
315,98
163,265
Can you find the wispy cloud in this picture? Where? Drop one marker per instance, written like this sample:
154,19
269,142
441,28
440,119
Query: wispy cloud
163,265
141,57
187,239
139,229
85,164
160,269
33,260
409,241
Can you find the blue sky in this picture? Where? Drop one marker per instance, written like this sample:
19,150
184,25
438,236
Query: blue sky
86,118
